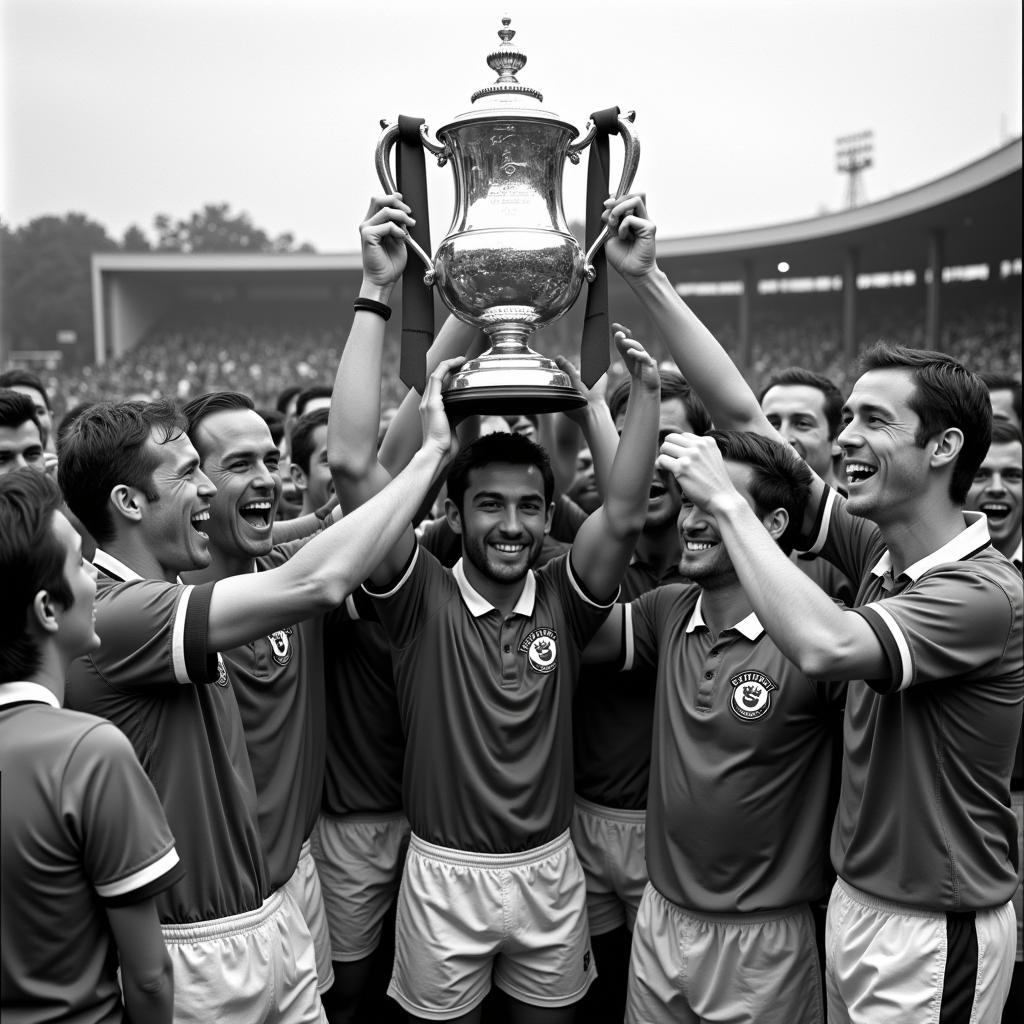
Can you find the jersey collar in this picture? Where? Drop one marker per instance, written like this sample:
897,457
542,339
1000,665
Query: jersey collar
19,693
112,567
479,605
750,627
1018,556
969,541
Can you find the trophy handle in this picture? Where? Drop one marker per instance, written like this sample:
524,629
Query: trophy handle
630,162
385,144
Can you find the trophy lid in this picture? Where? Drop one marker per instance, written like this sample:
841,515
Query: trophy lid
507,95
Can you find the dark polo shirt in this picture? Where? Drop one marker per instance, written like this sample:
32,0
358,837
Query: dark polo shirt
738,811
80,829
924,813
279,685
156,680
486,702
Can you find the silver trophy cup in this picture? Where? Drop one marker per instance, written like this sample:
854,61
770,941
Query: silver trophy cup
509,264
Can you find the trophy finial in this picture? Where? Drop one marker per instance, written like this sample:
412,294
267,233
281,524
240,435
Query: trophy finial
506,61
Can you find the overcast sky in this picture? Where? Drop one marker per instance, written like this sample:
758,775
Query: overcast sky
121,109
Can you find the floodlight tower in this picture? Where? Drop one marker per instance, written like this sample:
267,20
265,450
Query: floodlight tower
854,154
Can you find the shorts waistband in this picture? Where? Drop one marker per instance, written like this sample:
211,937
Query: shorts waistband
763,917
363,817
236,924
907,910
623,814
468,858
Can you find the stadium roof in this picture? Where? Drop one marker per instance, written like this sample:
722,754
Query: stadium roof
977,208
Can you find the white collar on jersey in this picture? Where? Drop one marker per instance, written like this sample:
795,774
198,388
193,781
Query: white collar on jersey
15,693
750,627
112,567
1018,556
970,539
479,605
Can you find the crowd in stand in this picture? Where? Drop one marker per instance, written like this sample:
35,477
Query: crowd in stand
702,702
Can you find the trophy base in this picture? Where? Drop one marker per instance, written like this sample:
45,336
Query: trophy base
510,378
509,399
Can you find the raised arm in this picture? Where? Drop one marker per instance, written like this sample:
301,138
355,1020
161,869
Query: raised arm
605,542
402,438
700,358
320,575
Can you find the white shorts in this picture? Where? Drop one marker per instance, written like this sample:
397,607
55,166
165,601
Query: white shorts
252,968
745,968
359,858
463,915
609,842
304,889
1017,802
886,961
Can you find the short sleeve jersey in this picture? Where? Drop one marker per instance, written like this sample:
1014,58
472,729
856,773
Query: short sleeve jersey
366,745
924,813
156,680
80,829
279,685
486,702
613,713
738,812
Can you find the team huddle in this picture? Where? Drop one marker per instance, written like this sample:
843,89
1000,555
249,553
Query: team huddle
734,736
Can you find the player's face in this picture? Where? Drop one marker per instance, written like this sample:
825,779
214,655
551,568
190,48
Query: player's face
703,557
21,446
175,525
242,461
663,500
797,412
887,472
583,489
503,520
42,410
1002,406
996,491
77,633
319,485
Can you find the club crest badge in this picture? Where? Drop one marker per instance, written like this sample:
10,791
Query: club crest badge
751,695
281,646
222,672
541,649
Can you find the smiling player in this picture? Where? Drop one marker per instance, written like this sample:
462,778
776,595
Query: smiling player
131,474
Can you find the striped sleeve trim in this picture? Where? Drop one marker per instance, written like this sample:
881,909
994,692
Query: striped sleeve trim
628,639
140,883
406,573
893,641
823,522
193,661
577,585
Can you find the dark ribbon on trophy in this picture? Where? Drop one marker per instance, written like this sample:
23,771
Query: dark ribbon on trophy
594,349
417,297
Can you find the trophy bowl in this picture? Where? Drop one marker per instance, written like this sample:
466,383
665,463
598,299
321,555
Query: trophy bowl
509,264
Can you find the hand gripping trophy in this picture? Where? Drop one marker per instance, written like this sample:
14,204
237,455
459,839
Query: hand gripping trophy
509,263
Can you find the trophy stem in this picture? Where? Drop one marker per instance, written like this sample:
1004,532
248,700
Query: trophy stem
511,378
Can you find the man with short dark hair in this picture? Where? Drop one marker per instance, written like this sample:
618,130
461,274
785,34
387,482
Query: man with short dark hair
131,474
485,658
28,383
84,844
316,396
309,470
21,441
738,808
278,679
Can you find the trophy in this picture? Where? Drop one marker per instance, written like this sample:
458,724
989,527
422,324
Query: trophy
509,264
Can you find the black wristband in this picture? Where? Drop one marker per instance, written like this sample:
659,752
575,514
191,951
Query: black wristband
373,306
